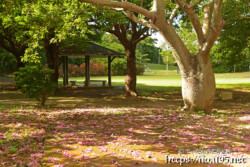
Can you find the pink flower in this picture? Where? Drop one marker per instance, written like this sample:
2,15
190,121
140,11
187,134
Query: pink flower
52,160
37,155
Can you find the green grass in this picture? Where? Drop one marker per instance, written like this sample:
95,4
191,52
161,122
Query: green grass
160,69
160,82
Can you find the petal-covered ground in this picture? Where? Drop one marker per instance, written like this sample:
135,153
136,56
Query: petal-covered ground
121,137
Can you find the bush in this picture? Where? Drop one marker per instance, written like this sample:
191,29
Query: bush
119,67
35,82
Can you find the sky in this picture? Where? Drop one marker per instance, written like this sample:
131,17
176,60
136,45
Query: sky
159,37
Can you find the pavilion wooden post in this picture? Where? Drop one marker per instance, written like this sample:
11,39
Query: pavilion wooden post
64,69
87,71
109,71
67,70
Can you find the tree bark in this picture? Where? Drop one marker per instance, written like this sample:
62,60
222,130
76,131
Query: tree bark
19,63
198,85
53,60
43,99
52,54
137,34
130,80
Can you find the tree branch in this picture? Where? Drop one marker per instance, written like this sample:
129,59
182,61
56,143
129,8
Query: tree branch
142,38
216,26
196,3
208,11
133,29
144,22
124,5
174,13
123,29
159,8
118,33
136,37
193,18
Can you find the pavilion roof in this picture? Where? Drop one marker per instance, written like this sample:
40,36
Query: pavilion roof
89,49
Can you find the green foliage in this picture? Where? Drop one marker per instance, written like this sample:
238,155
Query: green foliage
7,62
146,50
232,53
119,65
35,82
167,55
189,37
149,51
111,42
34,22
13,33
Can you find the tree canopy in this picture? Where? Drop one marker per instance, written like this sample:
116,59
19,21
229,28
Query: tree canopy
231,53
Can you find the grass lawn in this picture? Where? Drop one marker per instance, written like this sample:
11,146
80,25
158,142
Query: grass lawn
160,82
109,130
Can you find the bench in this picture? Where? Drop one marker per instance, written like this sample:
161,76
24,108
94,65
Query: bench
103,81
73,82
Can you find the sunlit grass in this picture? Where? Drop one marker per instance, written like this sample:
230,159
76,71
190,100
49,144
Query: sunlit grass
160,81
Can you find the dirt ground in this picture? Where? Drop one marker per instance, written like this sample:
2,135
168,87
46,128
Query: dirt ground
101,127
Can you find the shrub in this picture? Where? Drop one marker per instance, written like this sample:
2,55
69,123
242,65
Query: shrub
119,66
35,82
140,69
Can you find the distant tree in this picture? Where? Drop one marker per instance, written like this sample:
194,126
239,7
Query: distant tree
232,53
147,47
119,65
128,33
167,56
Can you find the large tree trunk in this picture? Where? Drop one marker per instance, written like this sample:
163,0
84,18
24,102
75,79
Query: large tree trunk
53,60
19,63
198,88
130,81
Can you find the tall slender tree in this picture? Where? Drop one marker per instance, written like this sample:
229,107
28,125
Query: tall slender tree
198,82
129,34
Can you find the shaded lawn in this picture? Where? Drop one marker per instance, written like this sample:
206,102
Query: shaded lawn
117,136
